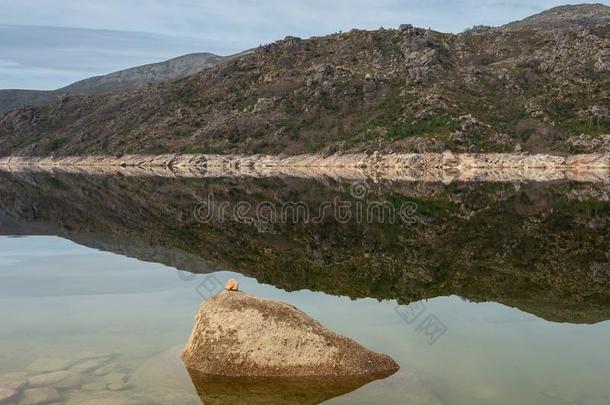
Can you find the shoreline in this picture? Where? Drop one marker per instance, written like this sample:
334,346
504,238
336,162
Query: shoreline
444,167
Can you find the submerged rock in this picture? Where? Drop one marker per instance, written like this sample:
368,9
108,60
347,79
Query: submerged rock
89,355
46,365
57,379
90,365
15,384
94,387
236,334
36,396
110,401
6,394
163,379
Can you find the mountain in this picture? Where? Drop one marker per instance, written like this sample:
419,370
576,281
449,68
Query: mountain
129,79
584,15
16,98
123,80
539,85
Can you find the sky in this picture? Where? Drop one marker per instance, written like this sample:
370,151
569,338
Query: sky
47,44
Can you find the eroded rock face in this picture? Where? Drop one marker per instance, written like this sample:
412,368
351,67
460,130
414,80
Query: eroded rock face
236,334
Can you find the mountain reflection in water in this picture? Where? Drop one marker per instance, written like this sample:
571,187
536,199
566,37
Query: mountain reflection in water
540,247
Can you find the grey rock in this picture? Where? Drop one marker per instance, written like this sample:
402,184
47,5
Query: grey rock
105,370
16,385
94,387
7,394
449,159
116,378
45,365
110,401
90,365
57,379
118,386
88,355
37,396
15,375
603,61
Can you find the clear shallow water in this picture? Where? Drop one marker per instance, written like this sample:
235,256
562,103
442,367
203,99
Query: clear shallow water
515,275
58,298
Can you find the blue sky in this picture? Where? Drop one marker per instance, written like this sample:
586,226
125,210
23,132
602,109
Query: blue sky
46,44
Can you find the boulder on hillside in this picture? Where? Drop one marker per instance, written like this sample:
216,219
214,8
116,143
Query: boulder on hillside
236,334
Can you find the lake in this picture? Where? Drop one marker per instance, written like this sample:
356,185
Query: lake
483,292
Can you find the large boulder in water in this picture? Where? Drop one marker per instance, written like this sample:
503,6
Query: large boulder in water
236,334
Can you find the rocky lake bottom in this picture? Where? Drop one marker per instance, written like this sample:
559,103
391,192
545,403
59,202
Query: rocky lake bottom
99,286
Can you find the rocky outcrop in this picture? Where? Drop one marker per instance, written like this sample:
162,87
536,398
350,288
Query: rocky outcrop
354,160
602,63
445,167
236,334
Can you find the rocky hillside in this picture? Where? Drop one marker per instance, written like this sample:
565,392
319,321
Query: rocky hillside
123,80
542,84
592,16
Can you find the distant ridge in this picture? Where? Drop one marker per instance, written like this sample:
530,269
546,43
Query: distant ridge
123,80
580,15
132,78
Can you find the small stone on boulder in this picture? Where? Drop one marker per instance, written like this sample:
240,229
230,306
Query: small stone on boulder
232,285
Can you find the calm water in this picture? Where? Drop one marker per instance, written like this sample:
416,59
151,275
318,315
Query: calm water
516,278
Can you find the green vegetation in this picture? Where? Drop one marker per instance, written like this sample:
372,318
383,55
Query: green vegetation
29,141
55,144
591,127
434,125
